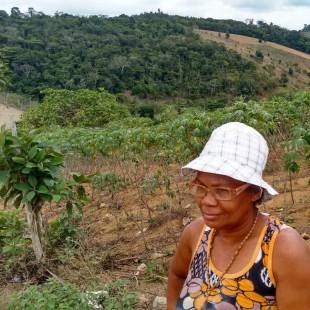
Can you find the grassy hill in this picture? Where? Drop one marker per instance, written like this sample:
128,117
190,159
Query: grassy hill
278,59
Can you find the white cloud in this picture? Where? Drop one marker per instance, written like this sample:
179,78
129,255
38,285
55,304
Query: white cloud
297,3
251,4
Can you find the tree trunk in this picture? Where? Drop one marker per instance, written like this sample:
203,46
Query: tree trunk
35,225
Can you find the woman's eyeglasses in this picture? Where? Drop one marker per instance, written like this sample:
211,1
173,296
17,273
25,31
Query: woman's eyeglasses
219,193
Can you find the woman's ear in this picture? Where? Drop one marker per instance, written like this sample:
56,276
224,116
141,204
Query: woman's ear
257,193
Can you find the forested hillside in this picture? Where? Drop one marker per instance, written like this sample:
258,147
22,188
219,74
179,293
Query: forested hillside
152,55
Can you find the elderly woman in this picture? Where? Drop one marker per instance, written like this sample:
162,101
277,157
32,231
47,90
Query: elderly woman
233,256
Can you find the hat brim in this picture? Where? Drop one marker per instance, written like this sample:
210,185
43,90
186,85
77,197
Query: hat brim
219,165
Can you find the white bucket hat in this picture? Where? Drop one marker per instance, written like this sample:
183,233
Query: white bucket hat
235,150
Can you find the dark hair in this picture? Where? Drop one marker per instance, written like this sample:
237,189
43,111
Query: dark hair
263,197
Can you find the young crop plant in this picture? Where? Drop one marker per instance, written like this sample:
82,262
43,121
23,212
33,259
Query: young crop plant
109,182
297,149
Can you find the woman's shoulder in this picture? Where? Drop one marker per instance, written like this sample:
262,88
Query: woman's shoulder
289,240
193,230
195,226
291,254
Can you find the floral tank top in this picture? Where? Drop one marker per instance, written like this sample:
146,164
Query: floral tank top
253,287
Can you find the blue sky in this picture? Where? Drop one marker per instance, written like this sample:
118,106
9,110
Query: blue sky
290,14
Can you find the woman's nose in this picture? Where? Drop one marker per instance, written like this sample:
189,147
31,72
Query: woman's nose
208,199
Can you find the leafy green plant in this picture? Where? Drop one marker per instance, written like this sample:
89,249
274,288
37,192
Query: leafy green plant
155,271
296,149
85,108
165,205
30,175
109,182
49,296
115,296
54,294
65,231
13,243
155,181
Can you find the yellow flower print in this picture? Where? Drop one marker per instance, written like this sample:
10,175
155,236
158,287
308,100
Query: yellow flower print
269,304
244,292
269,307
265,249
206,294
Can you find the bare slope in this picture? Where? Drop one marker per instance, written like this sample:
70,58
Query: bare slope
8,115
278,59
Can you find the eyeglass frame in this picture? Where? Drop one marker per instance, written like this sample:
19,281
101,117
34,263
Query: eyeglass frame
234,192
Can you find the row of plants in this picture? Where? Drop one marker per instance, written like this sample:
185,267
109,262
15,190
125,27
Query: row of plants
178,134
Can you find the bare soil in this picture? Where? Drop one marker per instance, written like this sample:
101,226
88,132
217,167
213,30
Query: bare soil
8,115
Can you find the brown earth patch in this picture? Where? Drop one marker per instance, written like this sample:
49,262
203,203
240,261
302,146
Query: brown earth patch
8,115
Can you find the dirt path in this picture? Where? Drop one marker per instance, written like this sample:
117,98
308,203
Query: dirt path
8,115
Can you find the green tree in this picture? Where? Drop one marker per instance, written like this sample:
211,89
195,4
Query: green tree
83,108
4,76
259,55
30,175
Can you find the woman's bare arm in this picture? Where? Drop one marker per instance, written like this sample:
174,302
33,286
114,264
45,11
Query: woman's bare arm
291,268
180,263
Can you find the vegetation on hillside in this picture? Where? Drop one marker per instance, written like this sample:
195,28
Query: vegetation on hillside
152,55
177,134
85,108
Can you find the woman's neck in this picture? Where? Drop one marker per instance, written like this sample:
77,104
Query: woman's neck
237,233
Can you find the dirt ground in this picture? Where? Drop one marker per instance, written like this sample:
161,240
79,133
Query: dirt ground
8,115
117,242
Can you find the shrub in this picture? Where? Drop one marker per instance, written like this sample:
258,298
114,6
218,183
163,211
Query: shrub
13,244
58,295
52,295
65,231
259,55
82,108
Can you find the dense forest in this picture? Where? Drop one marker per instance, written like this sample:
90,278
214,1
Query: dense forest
152,55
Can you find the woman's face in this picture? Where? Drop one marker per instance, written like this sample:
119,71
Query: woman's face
224,214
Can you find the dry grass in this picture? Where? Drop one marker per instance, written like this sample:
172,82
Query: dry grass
277,58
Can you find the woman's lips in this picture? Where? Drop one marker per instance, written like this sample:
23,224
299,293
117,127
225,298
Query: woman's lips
210,216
